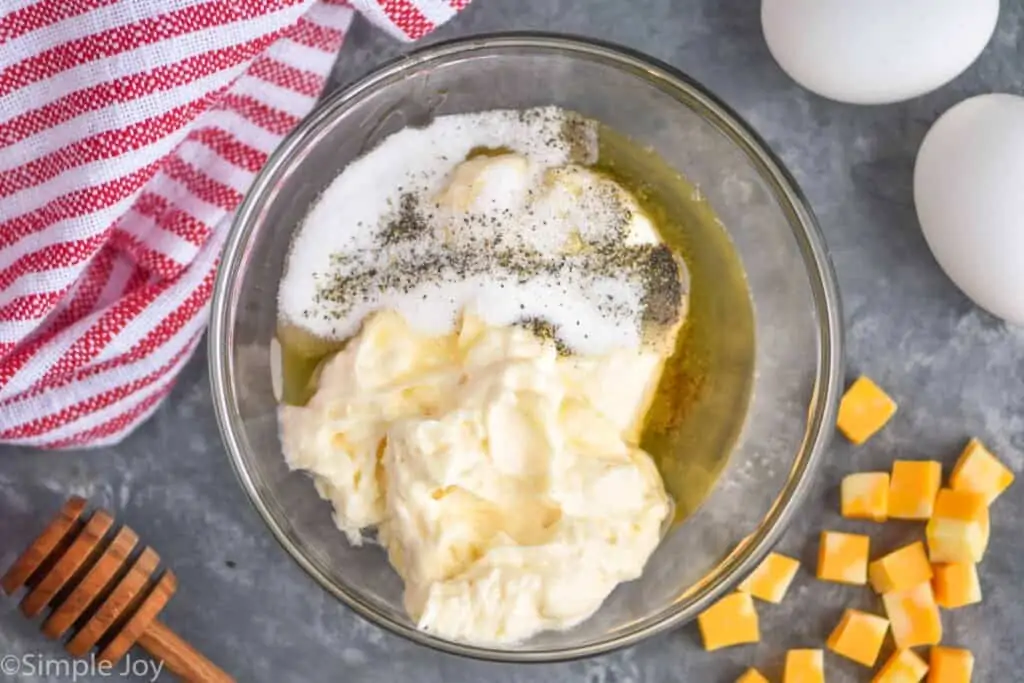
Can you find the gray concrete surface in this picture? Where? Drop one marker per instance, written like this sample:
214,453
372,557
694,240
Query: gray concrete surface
955,371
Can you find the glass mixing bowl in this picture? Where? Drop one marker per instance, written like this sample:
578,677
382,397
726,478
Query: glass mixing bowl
797,354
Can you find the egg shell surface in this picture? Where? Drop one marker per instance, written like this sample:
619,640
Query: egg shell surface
969,195
876,51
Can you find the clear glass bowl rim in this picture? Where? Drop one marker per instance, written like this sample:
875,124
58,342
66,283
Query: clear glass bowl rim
828,381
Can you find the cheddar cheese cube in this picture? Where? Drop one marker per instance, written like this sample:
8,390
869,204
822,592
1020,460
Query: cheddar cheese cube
958,529
804,666
752,675
771,579
865,495
913,616
843,558
730,621
903,568
859,637
979,471
956,585
913,487
950,665
864,410
986,528
903,667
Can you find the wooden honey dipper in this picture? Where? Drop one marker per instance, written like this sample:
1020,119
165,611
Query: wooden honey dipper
97,597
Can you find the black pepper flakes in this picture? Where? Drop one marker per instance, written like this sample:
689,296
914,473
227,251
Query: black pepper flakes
546,331
408,225
407,254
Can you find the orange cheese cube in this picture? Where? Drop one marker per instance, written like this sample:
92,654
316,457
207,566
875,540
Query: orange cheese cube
956,585
986,528
950,665
903,568
864,410
752,675
859,636
903,667
843,558
913,487
958,529
913,616
771,579
730,621
979,471
804,666
865,495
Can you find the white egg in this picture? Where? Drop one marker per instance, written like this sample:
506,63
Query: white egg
876,51
969,193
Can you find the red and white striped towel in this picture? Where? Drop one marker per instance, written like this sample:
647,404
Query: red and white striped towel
129,130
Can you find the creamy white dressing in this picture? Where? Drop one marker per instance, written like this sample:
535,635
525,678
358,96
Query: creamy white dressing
509,501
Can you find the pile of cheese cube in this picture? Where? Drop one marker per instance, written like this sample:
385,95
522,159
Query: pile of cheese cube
913,581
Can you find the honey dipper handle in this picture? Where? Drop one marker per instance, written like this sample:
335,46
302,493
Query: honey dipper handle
180,658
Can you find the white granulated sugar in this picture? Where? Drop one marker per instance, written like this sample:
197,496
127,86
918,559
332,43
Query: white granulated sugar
412,228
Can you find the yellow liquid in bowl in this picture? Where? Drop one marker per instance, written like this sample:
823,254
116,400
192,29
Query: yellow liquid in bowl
702,398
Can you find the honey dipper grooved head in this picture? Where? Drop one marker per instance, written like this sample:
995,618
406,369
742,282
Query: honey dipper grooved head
103,587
